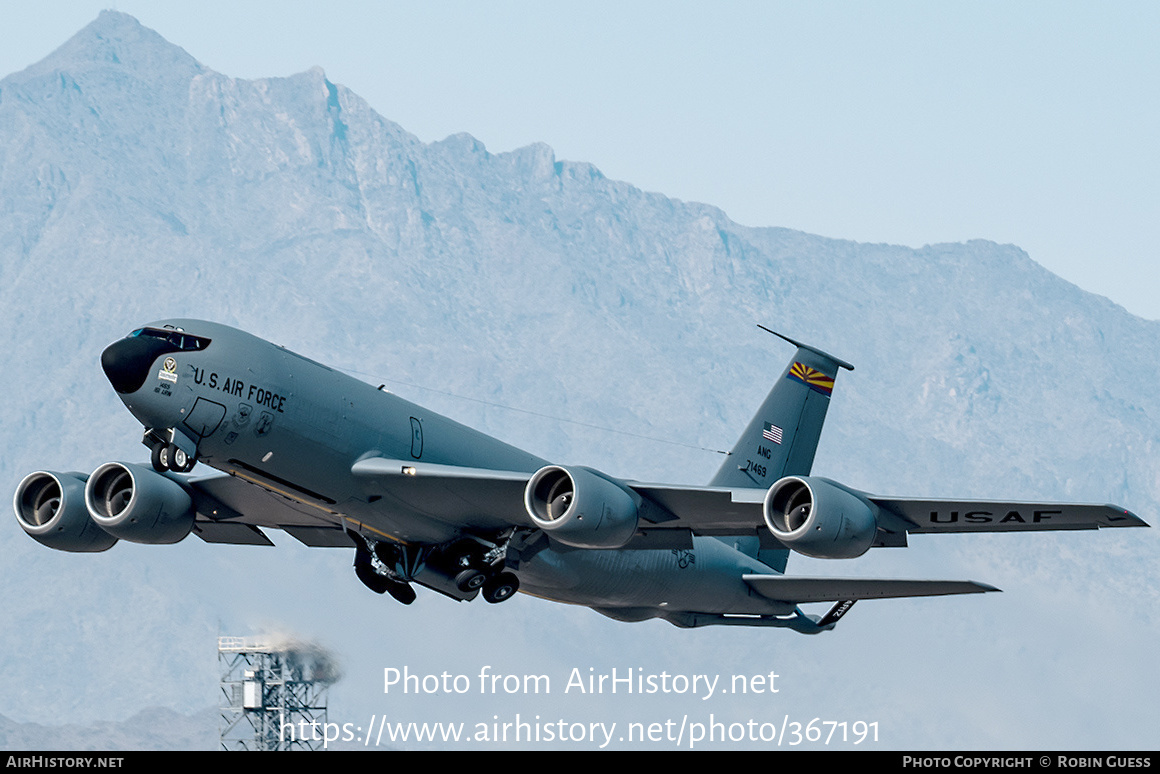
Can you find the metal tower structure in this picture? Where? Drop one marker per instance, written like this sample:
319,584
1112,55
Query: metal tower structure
274,694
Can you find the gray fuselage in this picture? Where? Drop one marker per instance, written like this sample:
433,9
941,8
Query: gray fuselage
295,427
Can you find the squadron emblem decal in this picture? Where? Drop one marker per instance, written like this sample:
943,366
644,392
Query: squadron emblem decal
168,370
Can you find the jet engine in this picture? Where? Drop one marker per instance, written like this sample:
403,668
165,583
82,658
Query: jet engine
138,504
581,508
50,507
820,518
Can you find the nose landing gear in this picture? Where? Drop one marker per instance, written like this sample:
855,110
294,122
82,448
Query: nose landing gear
174,453
167,456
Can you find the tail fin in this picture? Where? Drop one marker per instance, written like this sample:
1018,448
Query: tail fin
782,437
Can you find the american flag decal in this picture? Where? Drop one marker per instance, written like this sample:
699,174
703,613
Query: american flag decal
813,378
771,433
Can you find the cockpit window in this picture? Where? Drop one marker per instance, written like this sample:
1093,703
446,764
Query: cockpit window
181,340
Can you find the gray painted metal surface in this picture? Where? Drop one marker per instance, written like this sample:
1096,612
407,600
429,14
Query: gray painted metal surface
424,500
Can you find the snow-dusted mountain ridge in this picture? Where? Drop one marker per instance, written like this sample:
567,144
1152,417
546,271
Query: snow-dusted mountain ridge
137,184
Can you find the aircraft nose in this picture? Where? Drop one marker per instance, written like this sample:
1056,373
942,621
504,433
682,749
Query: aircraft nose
127,362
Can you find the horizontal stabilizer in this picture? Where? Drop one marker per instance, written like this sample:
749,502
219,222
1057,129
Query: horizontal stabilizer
781,588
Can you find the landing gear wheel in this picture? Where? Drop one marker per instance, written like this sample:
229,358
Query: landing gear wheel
371,579
380,584
469,580
402,592
500,587
179,461
160,457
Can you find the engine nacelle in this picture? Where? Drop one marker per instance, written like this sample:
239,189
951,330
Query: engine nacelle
581,508
51,509
819,518
138,504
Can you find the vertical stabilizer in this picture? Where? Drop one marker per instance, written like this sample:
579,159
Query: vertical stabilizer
782,437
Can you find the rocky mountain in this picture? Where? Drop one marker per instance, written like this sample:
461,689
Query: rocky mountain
136,184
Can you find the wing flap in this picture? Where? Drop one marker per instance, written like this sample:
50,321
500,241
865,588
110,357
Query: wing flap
797,590
223,498
320,537
230,532
233,510
707,510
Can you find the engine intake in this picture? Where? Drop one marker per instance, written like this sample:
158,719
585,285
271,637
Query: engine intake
581,508
50,508
138,504
820,518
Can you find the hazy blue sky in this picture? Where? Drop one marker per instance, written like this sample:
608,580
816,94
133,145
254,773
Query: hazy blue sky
1033,123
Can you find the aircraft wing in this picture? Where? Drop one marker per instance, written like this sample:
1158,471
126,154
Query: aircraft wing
724,511
232,510
706,510
472,498
924,516
496,497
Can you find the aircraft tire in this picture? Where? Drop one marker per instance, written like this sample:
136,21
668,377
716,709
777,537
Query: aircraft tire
500,587
401,592
179,461
371,579
160,457
469,580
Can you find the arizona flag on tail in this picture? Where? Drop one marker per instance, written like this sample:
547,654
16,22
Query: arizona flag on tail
782,437
812,377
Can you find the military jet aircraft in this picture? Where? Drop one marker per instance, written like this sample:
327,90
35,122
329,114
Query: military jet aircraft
426,501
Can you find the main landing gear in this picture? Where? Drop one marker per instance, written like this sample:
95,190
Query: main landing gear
461,569
479,567
500,587
494,588
379,583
